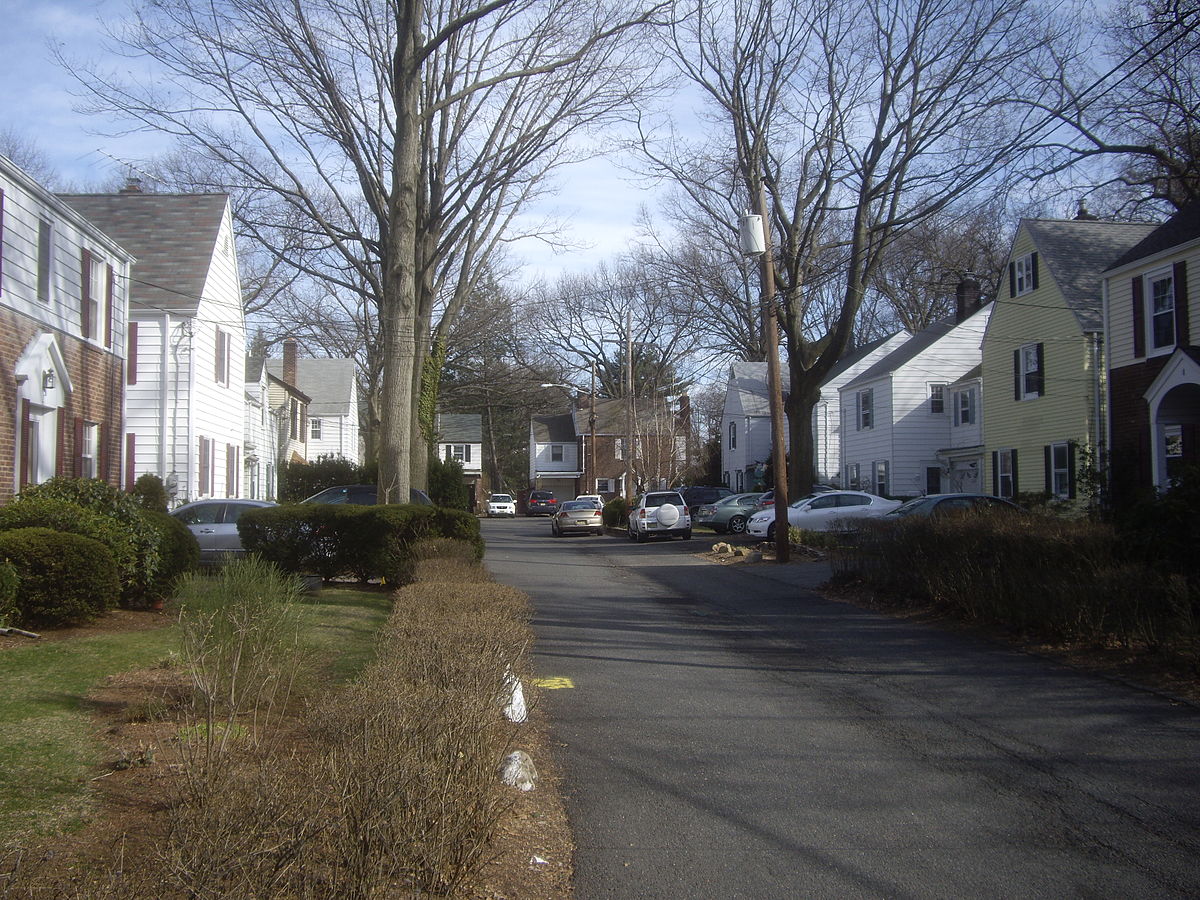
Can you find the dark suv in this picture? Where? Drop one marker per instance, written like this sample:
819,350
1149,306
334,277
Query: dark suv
541,503
697,495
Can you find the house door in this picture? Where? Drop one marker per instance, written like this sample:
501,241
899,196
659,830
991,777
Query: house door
933,479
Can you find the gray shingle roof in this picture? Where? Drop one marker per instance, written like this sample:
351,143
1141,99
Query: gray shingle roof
465,428
610,415
1182,227
1076,251
173,237
328,382
919,342
749,380
559,429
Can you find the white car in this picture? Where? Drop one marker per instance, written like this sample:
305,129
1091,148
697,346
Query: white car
659,512
502,505
593,498
828,511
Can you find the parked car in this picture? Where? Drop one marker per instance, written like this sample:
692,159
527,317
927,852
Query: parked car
728,514
952,504
214,523
767,500
697,495
501,505
659,512
362,495
593,498
827,511
576,516
541,503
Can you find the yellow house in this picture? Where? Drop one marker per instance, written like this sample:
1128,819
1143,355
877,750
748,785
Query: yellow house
1043,357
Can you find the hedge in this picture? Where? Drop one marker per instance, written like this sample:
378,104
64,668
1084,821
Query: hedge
64,579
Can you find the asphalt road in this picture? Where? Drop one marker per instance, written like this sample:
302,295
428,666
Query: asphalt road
729,734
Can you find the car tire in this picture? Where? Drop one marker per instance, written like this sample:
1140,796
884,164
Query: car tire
686,535
737,524
630,533
771,532
642,537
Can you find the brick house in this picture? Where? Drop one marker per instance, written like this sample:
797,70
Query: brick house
63,309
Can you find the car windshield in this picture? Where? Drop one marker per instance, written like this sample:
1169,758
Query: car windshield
501,498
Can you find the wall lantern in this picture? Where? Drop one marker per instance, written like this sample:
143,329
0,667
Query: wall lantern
48,380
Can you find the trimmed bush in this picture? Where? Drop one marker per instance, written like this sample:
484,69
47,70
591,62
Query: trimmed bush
150,493
8,592
65,579
178,550
106,500
616,512
300,480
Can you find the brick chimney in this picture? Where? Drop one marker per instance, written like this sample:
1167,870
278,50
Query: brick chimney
289,361
966,299
133,185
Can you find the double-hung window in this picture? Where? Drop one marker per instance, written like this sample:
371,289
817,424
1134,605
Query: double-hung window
852,477
556,452
314,429
1029,376
462,453
221,359
937,398
1004,473
881,478
964,407
1060,470
1023,275
865,409
733,435
1160,310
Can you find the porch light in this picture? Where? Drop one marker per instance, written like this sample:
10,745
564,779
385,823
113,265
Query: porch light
48,380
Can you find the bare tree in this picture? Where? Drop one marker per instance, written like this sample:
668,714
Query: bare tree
857,121
22,149
399,137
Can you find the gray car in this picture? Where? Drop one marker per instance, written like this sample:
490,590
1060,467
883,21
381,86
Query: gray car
728,514
214,523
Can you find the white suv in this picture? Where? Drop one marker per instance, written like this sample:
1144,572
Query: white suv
659,512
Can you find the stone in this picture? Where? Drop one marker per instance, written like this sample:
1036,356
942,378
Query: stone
518,771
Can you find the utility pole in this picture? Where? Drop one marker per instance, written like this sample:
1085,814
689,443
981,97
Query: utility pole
628,405
591,488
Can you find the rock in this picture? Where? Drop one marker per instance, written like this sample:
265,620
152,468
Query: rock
721,547
518,771
515,710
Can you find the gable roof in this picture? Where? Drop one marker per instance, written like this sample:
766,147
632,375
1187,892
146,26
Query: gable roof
1181,228
172,236
328,382
462,428
906,352
610,414
1076,251
749,381
554,429
856,355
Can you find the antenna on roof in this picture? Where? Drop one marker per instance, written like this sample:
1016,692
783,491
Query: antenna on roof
133,184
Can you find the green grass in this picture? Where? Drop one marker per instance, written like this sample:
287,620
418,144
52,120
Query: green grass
47,745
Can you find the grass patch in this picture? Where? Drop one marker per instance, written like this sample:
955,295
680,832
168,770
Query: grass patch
340,624
47,746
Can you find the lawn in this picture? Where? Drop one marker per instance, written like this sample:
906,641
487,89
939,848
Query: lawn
48,748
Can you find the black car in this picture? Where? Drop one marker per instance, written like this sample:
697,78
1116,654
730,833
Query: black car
541,503
939,505
361,495
697,495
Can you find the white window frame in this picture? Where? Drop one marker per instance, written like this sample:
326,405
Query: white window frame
1163,276
937,397
87,452
557,453
1060,470
733,435
964,407
880,479
852,477
864,407
1003,477
462,452
1173,441
1025,351
1023,274
604,486
98,299
221,350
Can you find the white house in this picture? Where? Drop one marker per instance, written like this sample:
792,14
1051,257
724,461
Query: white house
554,463
963,458
894,415
745,427
63,302
184,398
460,438
332,427
261,441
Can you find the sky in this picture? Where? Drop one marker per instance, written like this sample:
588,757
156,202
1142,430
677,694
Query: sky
595,198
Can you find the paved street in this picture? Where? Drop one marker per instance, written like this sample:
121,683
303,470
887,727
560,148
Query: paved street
731,734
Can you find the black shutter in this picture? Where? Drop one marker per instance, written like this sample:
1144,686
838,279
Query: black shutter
79,446
1016,484
109,305
1012,279
1017,374
1139,319
1071,469
1041,370
1048,457
1033,264
131,356
1179,280
85,293
996,473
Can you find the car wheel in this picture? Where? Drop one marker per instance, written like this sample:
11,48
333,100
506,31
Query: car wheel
686,535
642,537
737,524
771,532
630,533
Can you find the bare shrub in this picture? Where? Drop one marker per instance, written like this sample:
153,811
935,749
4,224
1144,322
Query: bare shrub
450,560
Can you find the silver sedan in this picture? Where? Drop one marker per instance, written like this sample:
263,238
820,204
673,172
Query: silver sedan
829,511
575,517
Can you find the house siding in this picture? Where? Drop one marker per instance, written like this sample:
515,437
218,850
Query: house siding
1065,411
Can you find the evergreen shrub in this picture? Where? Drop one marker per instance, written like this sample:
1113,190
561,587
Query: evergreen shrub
616,511
9,581
65,579
178,550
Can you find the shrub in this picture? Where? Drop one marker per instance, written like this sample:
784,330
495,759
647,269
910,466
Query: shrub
616,511
446,487
101,498
178,550
150,493
300,480
65,579
9,583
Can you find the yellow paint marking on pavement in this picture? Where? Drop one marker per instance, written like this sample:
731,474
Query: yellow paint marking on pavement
554,684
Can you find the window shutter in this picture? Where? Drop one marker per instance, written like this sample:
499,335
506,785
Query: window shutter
996,473
971,407
466,452
218,355
26,426
1048,455
1139,319
1,235
1179,280
1012,280
1071,469
1017,374
79,446
204,464
858,411
1033,265
1016,486
60,451
102,451
85,293
1041,372
108,305
131,354
130,460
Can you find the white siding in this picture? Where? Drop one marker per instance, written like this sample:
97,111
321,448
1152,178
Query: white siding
543,464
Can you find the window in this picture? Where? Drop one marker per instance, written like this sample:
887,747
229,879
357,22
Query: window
1023,275
232,469
604,486
87,436
293,418
221,359
1060,470
881,477
45,263
1029,379
207,476
462,452
1173,441
1004,473
94,284
556,453
619,448
733,435
314,429
933,479
1160,313
865,408
726,478
852,482
964,407
937,398
741,476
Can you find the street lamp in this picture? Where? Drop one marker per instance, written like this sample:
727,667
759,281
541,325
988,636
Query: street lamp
754,232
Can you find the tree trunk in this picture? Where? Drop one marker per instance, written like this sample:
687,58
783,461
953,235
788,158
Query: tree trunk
803,394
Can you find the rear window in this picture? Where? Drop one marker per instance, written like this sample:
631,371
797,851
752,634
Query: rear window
664,499
579,504
541,495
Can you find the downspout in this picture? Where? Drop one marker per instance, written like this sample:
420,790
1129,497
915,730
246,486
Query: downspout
1098,446
192,451
1104,428
163,373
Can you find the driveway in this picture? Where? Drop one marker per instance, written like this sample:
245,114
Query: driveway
730,733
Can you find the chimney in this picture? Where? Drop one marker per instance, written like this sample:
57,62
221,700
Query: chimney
289,361
1083,215
966,299
132,185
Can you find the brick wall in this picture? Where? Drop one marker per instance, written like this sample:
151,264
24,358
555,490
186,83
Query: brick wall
98,396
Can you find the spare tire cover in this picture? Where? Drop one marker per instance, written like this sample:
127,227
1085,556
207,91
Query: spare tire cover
667,515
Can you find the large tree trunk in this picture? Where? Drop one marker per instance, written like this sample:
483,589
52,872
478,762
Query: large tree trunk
803,394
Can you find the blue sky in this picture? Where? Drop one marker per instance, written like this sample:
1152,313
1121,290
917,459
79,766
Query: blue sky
596,201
